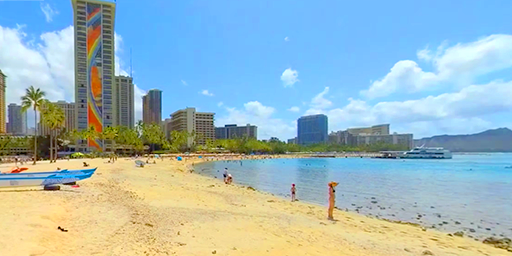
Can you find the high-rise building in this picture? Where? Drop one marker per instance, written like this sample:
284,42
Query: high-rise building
232,131
382,129
202,123
371,135
17,120
292,141
125,101
152,107
166,127
69,121
94,67
69,113
2,102
312,129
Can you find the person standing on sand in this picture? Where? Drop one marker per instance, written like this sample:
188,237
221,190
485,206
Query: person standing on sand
225,174
332,198
293,192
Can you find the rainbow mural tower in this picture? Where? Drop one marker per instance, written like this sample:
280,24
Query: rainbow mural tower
94,68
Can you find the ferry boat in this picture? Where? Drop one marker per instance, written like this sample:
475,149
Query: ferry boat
427,153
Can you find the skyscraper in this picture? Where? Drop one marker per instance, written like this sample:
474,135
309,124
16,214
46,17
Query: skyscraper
69,118
69,113
17,120
232,131
125,101
94,67
200,123
312,129
2,102
152,107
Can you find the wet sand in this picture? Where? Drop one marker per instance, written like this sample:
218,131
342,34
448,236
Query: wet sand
163,209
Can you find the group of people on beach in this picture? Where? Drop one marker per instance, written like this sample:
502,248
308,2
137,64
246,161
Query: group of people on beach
331,185
228,178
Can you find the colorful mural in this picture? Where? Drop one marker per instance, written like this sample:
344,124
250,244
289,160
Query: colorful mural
94,72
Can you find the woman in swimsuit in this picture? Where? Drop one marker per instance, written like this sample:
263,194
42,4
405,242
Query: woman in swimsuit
293,189
331,186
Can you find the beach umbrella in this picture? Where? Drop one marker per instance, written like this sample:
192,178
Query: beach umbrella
77,154
179,158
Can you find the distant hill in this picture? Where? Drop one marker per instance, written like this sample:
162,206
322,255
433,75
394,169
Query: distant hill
496,140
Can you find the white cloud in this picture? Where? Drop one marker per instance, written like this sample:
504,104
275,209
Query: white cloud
257,109
184,82
286,39
47,63
256,113
289,77
294,109
457,109
48,11
206,93
424,54
220,104
119,63
459,65
138,102
319,103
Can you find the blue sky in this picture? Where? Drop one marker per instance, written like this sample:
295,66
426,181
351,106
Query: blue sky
426,67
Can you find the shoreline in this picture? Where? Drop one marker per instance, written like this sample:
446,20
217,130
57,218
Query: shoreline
380,211
163,209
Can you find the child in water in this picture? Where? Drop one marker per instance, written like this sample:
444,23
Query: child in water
293,189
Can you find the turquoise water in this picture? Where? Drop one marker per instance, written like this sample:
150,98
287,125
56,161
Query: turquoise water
466,192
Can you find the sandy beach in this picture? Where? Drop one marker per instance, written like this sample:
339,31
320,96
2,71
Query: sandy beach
164,209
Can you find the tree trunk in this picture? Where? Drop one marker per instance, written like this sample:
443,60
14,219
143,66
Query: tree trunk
51,148
35,135
55,144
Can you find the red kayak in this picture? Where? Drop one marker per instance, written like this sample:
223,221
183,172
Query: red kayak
18,169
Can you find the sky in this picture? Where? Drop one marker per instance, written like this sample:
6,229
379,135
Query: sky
425,67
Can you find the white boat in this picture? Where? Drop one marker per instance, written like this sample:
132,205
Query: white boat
427,153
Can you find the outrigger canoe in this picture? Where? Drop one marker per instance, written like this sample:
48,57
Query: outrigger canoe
44,178
46,174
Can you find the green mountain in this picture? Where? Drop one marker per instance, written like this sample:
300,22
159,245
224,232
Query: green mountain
496,140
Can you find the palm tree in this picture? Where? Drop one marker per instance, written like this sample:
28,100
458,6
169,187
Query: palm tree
153,134
110,133
53,117
90,133
33,98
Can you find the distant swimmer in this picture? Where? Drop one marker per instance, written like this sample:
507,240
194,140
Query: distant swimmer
332,198
293,190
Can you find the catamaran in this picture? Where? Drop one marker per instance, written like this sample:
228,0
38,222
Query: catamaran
427,153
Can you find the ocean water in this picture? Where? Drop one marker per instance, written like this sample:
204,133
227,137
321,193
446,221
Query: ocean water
470,193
